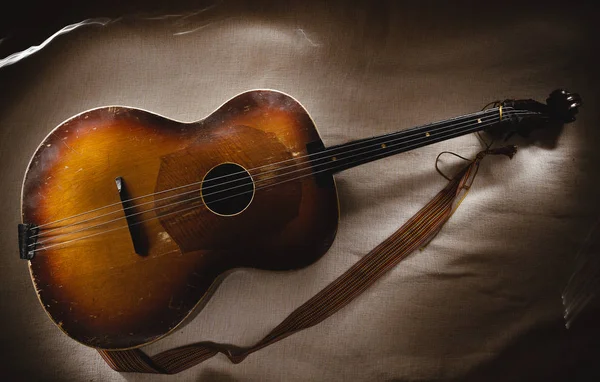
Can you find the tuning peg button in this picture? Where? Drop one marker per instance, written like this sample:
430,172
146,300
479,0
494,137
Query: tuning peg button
563,105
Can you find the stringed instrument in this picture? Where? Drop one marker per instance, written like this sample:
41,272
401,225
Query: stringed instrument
129,217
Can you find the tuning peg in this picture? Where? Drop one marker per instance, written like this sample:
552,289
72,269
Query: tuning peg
563,105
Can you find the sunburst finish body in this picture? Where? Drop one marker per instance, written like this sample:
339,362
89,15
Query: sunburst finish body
95,286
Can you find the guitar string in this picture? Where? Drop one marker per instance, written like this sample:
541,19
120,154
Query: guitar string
45,247
202,205
46,232
350,144
217,192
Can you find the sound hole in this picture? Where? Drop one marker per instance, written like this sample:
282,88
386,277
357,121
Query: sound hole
227,189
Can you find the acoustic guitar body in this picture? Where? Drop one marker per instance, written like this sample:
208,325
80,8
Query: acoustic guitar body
140,214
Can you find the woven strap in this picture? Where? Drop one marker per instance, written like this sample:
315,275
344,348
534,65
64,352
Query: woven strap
415,233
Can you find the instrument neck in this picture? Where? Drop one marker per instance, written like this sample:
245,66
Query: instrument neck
342,157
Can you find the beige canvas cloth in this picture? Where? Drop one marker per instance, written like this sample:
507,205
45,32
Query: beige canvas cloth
482,301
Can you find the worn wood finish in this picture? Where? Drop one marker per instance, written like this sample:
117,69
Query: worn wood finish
103,294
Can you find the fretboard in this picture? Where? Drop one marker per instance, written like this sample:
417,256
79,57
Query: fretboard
341,157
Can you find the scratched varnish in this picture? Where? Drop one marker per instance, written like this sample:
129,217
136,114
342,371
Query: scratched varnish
102,293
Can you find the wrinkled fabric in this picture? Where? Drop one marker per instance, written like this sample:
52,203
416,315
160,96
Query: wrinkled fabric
481,302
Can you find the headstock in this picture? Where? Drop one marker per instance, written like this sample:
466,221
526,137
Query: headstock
527,114
563,105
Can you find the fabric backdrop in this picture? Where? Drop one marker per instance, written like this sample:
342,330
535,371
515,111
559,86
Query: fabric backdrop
481,302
